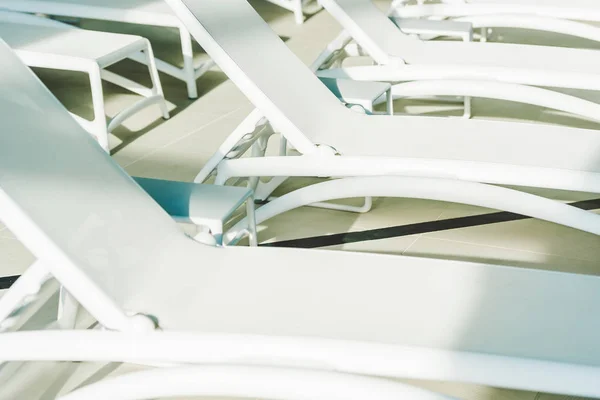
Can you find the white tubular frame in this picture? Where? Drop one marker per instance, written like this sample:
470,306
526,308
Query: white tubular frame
403,73
460,9
508,20
188,73
236,143
544,24
98,127
329,166
250,129
333,51
499,91
351,166
471,193
248,382
362,358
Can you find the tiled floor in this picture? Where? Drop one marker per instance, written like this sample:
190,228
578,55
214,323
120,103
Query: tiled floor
176,149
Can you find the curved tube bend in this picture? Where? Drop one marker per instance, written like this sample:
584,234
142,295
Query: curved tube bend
461,9
500,91
471,193
248,382
364,358
544,24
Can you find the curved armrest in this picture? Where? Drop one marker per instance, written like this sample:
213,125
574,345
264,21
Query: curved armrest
249,382
537,23
458,8
547,19
500,91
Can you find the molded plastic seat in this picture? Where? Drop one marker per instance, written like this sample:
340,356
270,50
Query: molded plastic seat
44,43
145,12
64,41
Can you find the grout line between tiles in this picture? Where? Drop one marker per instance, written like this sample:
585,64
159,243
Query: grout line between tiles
508,248
196,130
421,234
411,244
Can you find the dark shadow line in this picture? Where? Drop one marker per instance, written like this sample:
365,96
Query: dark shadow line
7,281
390,232
414,229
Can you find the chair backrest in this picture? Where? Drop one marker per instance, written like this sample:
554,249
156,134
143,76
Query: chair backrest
70,203
262,67
371,29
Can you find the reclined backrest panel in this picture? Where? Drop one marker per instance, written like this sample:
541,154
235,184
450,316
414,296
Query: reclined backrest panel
261,65
66,200
371,28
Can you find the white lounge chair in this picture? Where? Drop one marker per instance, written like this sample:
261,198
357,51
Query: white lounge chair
557,16
402,57
143,12
335,141
44,43
276,317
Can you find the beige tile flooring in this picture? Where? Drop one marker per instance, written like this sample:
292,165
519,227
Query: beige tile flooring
176,149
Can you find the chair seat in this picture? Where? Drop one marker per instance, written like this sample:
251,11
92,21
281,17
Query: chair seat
395,301
68,42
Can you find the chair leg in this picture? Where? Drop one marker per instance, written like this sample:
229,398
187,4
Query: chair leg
156,85
389,102
99,123
252,235
67,310
298,12
468,108
188,62
258,150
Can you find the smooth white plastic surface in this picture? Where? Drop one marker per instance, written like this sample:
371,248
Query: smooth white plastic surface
245,382
577,10
524,64
44,43
121,256
144,12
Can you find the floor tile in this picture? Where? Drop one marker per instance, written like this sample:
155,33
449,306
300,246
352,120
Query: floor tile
6,233
454,250
310,221
14,257
473,392
528,235
545,396
394,246
184,157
